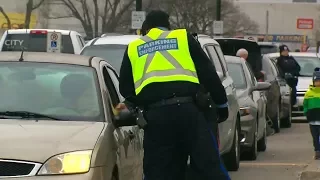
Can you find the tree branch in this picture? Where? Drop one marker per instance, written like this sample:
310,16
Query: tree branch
37,5
6,17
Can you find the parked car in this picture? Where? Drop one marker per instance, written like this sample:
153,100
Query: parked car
36,40
252,107
268,47
113,47
278,105
307,62
58,120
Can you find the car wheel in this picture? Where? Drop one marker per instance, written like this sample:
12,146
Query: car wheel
262,143
232,158
276,121
253,152
286,122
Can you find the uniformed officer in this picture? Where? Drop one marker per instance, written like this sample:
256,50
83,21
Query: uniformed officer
162,72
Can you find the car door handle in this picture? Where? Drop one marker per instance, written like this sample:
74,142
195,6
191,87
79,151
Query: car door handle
131,135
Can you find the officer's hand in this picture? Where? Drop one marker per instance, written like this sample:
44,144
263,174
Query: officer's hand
223,114
121,106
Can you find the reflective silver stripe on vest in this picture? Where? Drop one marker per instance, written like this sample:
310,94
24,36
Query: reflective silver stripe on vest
178,68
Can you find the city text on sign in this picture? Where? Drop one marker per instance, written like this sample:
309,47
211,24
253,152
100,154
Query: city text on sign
304,23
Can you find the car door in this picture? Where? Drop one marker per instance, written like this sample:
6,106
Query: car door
258,98
137,133
225,128
123,134
273,94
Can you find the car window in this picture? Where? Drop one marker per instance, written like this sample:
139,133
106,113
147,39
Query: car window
307,64
266,49
34,43
267,68
215,58
237,74
274,69
221,55
252,77
68,92
113,53
110,86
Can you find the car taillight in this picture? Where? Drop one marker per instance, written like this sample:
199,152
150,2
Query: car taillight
38,32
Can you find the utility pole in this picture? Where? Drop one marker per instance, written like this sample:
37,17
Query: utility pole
218,18
267,26
138,5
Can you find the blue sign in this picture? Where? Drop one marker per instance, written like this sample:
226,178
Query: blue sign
53,44
158,45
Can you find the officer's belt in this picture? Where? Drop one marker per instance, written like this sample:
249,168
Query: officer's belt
171,101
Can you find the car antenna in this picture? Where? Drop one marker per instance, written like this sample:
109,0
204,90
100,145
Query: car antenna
21,56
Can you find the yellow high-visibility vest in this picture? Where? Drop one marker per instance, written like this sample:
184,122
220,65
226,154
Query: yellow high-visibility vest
161,56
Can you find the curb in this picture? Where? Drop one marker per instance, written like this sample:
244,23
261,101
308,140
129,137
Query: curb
312,172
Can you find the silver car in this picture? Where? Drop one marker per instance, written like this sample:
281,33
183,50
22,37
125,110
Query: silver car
253,107
307,61
113,47
57,120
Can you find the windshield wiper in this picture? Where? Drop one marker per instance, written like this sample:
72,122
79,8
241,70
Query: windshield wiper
26,114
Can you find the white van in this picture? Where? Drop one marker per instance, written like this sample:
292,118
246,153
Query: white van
35,40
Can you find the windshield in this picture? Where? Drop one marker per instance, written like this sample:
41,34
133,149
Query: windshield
34,43
67,92
237,74
307,65
113,53
266,49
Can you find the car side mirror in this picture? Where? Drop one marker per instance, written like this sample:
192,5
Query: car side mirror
220,75
124,118
261,86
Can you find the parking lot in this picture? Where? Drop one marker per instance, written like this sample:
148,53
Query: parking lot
287,155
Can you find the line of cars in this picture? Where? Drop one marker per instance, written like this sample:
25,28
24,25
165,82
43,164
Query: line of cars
48,76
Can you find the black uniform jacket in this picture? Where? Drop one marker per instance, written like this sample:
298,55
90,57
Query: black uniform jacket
158,91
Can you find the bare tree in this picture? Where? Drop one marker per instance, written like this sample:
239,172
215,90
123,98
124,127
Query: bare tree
198,16
6,17
30,7
95,14
45,11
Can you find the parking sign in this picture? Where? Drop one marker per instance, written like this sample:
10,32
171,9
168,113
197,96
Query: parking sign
305,23
137,18
54,42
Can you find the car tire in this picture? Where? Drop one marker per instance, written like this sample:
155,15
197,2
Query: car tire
276,121
262,143
252,154
232,158
286,122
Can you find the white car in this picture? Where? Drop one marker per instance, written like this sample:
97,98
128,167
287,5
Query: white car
113,48
36,40
307,61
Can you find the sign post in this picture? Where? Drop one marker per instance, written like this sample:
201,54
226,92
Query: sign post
54,42
305,24
218,28
137,18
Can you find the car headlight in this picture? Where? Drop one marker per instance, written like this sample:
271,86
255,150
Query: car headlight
244,111
67,163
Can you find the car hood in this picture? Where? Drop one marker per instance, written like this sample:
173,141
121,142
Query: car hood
38,141
303,83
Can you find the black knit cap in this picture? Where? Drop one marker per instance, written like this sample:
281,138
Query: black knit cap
283,48
157,18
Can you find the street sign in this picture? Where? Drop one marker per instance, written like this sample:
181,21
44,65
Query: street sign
54,42
217,27
305,23
137,18
252,38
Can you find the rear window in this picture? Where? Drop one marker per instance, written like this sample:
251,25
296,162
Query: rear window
34,43
231,46
266,49
113,53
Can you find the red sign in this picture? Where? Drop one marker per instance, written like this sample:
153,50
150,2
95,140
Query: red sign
304,23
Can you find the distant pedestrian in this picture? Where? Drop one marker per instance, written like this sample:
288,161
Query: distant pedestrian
311,108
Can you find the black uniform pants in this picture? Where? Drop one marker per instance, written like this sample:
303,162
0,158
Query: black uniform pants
292,82
173,133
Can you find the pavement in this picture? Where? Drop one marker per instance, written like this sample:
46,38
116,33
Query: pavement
289,156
